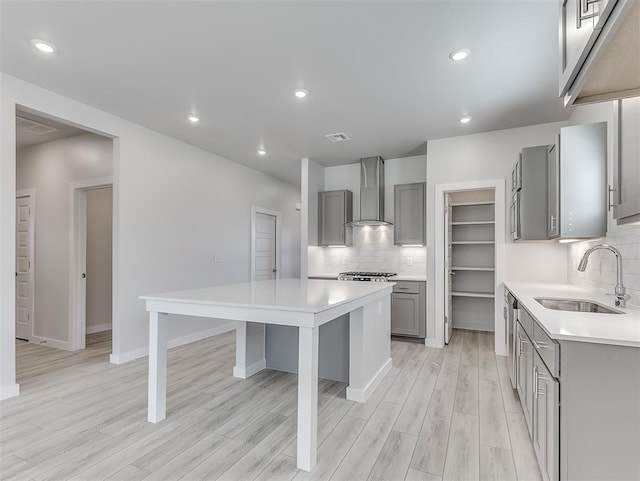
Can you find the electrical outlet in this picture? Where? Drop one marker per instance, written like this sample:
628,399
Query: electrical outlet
218,258
409,261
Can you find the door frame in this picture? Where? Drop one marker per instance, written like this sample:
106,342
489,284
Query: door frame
278,215
498,185
31,192
78,257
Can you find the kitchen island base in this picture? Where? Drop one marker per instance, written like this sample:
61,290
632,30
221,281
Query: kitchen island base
284,302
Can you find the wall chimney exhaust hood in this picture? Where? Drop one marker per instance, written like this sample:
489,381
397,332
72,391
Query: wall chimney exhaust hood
371,192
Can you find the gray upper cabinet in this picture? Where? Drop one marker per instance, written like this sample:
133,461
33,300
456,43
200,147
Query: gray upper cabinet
626,175
529,214
335,211
564,187
553,194
409,213
582,181
596,61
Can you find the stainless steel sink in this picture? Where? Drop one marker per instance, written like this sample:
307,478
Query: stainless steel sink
575,305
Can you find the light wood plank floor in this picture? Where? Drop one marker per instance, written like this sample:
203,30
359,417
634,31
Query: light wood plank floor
438,414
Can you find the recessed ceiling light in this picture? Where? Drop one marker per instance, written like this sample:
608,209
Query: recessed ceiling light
300,93
194,119
43,46
262,152
458,55
466,119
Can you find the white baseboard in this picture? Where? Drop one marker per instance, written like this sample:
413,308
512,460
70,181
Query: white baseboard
99,328
12,390
244,373
361,395
128,356
45,341
430,342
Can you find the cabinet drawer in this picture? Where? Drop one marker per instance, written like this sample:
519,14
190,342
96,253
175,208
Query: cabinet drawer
526,320
408,287
548,349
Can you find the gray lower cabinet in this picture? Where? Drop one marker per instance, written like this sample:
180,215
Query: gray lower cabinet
524,368
408,309
545,426
580,401
409,214
335,211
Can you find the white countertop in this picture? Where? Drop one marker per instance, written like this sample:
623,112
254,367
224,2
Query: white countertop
616,329
399,277
299,295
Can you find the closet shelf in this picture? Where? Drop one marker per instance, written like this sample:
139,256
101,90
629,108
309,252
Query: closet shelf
484,295
482,269
476,222
472,242
458,204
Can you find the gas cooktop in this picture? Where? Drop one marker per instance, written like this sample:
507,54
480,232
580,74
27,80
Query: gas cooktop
365,276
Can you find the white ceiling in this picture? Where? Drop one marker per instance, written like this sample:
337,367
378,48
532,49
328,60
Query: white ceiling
377,71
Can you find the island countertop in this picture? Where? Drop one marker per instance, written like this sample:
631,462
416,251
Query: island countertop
615,329
300,295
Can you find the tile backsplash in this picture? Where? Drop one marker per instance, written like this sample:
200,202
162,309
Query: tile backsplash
372,250
600,274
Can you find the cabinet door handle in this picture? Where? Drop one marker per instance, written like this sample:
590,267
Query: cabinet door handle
521,349
541,345
611,200
552,223
402,288
583,11
539,377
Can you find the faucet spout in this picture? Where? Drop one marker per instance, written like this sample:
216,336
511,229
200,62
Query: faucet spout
620,291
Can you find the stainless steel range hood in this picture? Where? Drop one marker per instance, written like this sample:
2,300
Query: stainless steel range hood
371,192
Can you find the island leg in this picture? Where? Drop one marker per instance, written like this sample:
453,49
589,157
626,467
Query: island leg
157,367
250,349
307,397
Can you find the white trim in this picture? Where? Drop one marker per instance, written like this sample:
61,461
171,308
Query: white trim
99,328
31,193
498,185
55,343
180,341
78,256
7,392
361,395
278,215
244,373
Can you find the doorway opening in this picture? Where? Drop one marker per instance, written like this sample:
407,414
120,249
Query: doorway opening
91,277
469,252
68,231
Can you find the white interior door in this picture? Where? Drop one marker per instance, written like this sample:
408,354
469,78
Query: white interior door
24,275
448,272
265,247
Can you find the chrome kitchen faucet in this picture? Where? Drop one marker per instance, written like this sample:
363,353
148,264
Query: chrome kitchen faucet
620,291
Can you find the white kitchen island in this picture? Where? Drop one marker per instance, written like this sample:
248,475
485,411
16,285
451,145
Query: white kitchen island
305,304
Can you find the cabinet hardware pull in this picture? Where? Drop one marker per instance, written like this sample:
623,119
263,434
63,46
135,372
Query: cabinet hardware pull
583,11
611,200
535,381
539,376
541,345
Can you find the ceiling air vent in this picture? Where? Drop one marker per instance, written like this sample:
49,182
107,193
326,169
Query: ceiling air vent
339,137
33,127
